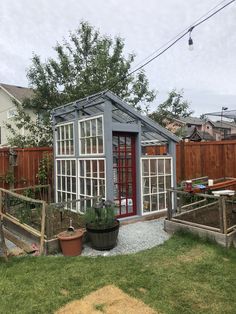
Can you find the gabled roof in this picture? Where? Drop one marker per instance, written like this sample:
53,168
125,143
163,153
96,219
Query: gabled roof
18,92
223,124
121,113
191,120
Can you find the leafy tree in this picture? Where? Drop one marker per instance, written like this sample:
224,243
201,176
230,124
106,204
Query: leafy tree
173,108
85,64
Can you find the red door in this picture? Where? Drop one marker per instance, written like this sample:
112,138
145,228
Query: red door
124,173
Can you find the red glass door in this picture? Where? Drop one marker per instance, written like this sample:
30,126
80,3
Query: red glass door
124,173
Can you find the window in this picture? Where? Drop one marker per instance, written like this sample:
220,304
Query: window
65,139
91,181
91,136
66,182
156,178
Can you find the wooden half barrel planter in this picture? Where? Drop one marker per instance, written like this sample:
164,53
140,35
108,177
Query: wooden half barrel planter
71,242
103,238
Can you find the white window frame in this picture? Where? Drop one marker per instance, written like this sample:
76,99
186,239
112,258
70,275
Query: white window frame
73,139
149,176
91,178
76,180
103,144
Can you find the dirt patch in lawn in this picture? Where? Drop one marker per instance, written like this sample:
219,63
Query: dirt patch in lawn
194,255
108,300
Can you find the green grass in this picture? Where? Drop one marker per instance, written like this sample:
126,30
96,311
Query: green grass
185,275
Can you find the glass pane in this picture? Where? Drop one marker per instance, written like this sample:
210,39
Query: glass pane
58,167
73,205
161,184
81,168
67,132
59,197
81,186
82,129
68,170
58,148
58,182
94,145
62,132
153,167
73,185
101,169
82,148
146,204
153,185
162,197
88,169
161,166
63,183
68,184
168,182
73,172
95,170
168,166
58,133
99,126
154,205
88,187
71,131
100,145
146,186
88,149
145,167
93,123
102,188
94,188
62,148
87,130
63,168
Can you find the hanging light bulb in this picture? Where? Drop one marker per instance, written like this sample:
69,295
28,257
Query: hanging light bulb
190,44
190,41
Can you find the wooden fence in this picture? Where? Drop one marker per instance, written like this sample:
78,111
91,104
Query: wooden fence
214,159
19,167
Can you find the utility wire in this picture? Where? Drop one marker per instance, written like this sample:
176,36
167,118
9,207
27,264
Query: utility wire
178,38
154,52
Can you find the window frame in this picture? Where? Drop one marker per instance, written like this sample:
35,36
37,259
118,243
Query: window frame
149,158
56,139
91,178
103,141
65,191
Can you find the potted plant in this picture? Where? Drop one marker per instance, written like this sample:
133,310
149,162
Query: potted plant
102,226
71,241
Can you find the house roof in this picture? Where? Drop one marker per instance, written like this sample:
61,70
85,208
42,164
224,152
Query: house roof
121,113
191,120
223,124
194,134
18,92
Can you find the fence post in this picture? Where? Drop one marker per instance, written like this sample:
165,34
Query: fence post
2,237
169,205
41,249
224,214
182,160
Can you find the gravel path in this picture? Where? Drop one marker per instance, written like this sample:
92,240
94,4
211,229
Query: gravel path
134,237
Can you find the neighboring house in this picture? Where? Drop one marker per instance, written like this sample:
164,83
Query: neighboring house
196,129
9,94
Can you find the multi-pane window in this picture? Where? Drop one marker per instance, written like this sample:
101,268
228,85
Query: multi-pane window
156,178
66,182
91,181
91,136
65,139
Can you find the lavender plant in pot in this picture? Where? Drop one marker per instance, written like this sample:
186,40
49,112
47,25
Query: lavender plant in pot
102,226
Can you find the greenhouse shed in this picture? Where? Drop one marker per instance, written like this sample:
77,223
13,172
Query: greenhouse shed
102,148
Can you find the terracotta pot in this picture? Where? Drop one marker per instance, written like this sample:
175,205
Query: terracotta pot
71,242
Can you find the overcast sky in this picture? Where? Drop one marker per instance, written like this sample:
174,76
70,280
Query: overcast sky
207,74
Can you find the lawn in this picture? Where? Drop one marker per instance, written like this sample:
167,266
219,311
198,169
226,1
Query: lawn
185,275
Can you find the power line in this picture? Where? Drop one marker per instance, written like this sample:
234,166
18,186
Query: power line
178,38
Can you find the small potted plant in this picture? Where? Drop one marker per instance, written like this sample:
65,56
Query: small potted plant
71,241
102,226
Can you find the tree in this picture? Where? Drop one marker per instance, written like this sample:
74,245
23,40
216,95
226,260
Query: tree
85,64
173,108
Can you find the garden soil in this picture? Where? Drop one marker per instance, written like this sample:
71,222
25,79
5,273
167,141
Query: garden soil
107,300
